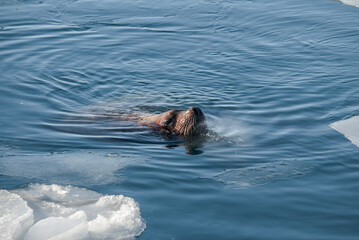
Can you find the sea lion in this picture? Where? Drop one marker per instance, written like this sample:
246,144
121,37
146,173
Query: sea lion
187,123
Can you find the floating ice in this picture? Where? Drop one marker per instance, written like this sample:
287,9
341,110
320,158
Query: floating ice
354,3
72,227
15,216
264,173
349,128
66,212
66,168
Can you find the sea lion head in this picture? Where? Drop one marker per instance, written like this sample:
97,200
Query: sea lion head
184,123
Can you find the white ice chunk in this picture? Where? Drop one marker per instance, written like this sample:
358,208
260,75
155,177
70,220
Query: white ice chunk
117,215
55,200
349,128
15,216
354,3
60,228
66,212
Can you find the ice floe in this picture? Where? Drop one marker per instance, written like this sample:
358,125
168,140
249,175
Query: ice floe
64,212
349,128
15,216
354,3
264,173
77,168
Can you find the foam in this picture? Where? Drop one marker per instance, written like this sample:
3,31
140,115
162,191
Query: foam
354,3
64,212
349,128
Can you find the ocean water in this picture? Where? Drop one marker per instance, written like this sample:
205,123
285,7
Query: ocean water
279,84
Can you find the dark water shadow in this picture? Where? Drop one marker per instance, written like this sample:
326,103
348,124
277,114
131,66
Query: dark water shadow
192,147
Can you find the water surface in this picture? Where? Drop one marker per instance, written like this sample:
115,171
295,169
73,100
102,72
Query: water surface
271,76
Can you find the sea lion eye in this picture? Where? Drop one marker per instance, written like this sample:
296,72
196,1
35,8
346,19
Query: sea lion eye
168,122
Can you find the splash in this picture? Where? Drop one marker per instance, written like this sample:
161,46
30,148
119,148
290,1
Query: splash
42,212
227,129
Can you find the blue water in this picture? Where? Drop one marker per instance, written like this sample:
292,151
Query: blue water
270,76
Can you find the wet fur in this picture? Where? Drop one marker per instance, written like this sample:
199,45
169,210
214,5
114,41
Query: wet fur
183,123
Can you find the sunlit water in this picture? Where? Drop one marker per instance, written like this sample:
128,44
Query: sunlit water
271,76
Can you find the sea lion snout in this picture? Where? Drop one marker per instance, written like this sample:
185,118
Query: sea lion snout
197,112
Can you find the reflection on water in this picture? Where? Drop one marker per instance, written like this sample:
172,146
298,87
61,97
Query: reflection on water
193,147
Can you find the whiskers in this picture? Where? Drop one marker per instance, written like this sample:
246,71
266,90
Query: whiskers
192,125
